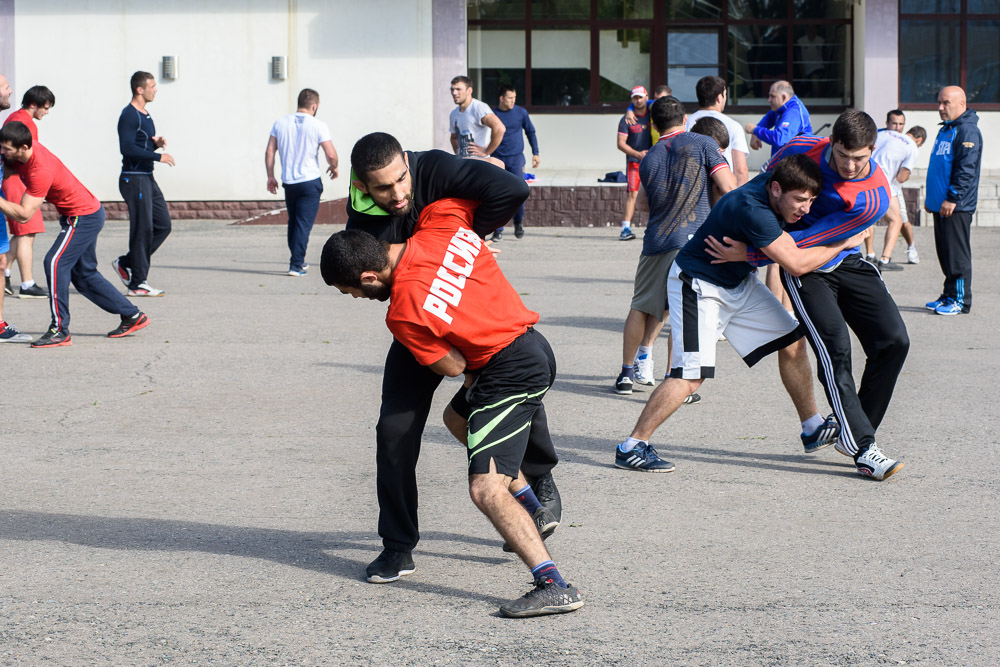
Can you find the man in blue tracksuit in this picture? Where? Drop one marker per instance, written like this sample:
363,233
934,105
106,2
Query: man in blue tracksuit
511,148
787,119
952,193
149,219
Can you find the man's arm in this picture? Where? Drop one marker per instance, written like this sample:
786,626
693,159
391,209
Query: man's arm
529,131
740,169
332,161
628,150
23,211
498,129
800,261
451,364
454,143
903,175
724,180
780,134
963,170
272,148
128,125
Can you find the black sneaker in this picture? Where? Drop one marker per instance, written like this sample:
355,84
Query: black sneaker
7,289
693,398
33,292
518,230
53,338
545,522
548,597
130,325
548,495
497,235
390,566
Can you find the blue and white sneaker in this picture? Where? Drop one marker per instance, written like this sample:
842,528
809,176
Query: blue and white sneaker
643,369
949,307
827,434
936,303
643,458
626,234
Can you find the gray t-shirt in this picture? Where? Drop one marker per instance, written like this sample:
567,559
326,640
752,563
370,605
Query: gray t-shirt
467,126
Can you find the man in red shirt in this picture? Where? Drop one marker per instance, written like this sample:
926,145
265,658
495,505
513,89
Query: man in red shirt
35,105
73,256
452,307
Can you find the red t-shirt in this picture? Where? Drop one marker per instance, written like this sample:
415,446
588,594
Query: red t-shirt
448,291
46,177
24,117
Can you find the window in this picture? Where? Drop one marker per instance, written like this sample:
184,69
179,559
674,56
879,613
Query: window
586,55
949,42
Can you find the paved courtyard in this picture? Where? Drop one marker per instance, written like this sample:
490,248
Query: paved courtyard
203,492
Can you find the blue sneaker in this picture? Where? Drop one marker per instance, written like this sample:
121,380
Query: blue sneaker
949,307
626,234
643,458
936,303
824,436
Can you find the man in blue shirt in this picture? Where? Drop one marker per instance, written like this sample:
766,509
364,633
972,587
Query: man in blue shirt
149,219
787,119
952,194
511,148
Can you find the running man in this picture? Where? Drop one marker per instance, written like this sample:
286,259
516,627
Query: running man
454,310
73,256
708,298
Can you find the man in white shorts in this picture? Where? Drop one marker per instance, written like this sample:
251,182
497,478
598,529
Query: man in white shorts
707,298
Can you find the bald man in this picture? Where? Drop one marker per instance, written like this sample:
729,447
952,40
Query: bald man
952,193
787,119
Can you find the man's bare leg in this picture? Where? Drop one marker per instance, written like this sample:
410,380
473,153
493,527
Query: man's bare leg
663,402
630,199
490,493
796,375
22,248
892,231
772,279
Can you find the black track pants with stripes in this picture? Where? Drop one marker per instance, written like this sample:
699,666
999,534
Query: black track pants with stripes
852,295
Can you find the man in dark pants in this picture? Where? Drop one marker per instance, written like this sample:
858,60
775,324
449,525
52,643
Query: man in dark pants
149,219
511,148
389,189
952,194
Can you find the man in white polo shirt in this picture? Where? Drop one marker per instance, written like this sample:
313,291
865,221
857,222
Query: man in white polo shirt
297,138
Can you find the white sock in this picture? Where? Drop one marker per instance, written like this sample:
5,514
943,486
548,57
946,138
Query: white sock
626,224
28,284
644,351
629,445
810,425
6,273
911,247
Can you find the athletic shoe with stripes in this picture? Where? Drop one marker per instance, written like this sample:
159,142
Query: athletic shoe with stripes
145,289
692,398
125,275
547,597
53,338
949,307
936,303
130,325
644,373
873,463
824,436
643,458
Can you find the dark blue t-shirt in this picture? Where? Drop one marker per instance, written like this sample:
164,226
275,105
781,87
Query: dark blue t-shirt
745,214
676,174
636,136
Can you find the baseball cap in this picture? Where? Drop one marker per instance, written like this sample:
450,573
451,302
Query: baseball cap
639,91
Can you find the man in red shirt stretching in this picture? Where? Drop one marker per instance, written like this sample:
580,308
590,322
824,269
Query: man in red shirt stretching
452,307
73,256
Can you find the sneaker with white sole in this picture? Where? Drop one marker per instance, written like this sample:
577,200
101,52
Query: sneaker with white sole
10,334
827,434
125,275
644,373
623,385
36,291
390,566
547,597
145,289
626,234
912,256
950,307
936,303
7,289
642,458
873,463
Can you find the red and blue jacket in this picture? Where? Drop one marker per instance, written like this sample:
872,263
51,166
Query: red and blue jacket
842,209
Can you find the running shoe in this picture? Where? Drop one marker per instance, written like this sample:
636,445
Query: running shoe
870,258
33,292
7,289
10,334
545,522
297,272
547,597
888,266
841,448
518,230
936,303
548,495
390,566
53,338
643,458
825,435
949,307
873,463
145,289
626,234
130,325
623,385
125,275
693,398
644,374
912,256
497,235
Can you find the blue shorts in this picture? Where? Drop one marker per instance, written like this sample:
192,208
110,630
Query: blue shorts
4,243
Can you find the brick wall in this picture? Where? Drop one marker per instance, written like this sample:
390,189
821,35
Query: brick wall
586,206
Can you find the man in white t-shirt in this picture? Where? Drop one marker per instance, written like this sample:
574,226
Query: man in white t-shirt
896,154
297,138
475,129
711,91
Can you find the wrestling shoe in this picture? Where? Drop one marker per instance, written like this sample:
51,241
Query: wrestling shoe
497,235
33,292
547,597
873,463
623,385
912,256
950,307
545,522
518,230
10,334
693,398
145,289
548,495
53,338
390,566
7,289
643,458
936,303
125,275
626,234
825,435
888,266
130,325
644,373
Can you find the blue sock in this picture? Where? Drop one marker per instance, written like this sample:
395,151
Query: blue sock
628,371
545,571
528,499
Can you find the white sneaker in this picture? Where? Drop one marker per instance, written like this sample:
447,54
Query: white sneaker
911,256
873,463
145,289
644,373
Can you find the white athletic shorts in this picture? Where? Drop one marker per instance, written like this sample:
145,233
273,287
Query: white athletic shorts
752,319
897,191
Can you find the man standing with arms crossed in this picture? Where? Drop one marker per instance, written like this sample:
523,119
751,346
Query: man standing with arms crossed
149,219
511,149
298,138
952,195
8,332
35,105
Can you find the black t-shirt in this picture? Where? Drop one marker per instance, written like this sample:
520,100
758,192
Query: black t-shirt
745,214
437,175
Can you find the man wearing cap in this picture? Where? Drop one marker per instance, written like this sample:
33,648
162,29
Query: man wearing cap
633,140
